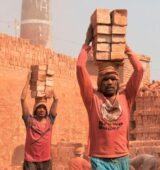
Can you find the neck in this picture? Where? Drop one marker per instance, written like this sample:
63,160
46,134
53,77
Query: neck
111,99
40,119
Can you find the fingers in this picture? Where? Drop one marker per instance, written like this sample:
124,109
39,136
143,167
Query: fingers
54,95
127,49
89,35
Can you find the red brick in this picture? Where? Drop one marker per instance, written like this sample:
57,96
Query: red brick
116,38
118,47
118,29
100,16
102,47
117,56
119,17
49,91
102,38
102,29
49,83
102,56
40,93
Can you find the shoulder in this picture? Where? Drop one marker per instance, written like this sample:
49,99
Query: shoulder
51,118
28,118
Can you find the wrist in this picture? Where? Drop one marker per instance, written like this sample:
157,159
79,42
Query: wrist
86,47
55,98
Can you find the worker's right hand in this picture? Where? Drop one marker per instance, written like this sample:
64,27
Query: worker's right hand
89,35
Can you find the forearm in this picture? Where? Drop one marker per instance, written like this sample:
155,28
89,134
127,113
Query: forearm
83,77
25,89
134,60
25,109
82,58
24,105
134,82
53,109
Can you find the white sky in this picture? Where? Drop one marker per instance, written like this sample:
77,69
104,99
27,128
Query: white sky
70,19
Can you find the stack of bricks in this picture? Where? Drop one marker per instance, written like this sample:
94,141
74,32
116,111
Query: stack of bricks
147,115
109,30
41,83
150,89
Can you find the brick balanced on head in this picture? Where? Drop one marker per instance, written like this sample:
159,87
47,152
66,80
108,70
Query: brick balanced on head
109,30
41,83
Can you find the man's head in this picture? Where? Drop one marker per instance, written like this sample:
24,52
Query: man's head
79,151
40,110
108,81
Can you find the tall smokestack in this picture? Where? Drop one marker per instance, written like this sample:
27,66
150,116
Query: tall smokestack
36,21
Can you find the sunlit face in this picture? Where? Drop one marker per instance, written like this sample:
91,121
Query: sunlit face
109,85
41,111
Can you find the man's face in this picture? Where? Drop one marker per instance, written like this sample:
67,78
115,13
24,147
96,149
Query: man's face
109,85
41,111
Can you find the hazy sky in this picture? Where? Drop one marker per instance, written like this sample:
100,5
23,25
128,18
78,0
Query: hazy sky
70,19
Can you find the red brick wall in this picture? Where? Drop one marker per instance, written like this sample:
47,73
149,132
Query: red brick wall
145,146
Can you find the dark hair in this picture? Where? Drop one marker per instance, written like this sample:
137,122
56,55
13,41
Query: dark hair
42,105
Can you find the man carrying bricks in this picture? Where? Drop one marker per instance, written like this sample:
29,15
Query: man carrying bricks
37,154
108,110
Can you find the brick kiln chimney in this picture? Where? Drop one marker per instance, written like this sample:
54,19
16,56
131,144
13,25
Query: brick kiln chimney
36,21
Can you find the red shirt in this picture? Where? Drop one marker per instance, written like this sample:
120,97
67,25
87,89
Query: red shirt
108,140
38,139
79,163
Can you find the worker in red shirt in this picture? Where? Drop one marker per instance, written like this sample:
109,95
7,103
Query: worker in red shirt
78,162
108,109
37,153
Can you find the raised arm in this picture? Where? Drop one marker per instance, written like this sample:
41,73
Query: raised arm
134,82
25,109
82,73
53,109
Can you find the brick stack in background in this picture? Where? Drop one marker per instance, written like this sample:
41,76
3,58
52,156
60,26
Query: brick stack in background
109,30
147,115
150,89
147,121
41,83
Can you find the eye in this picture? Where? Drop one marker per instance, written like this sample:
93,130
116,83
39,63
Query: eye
110,78
113,78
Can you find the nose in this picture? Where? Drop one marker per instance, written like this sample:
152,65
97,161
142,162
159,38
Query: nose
109,81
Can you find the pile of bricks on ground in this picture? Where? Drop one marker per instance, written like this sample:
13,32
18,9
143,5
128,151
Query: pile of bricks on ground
147,115
41,83
150,89
109,29
146,146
